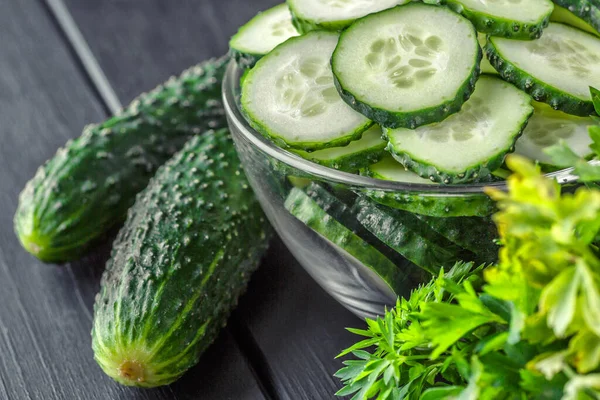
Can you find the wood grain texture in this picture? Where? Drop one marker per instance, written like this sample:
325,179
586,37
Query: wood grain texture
140,43
295,325
46,310
298,327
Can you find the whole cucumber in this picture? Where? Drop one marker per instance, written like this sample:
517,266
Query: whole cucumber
91,182
178,265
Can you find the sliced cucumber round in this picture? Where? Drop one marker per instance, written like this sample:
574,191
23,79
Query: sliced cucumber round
435,205
547,127
262,34
334,15
557,69
301,206
401,69
582,14
290,97
485,66
470,144
356,155
518,19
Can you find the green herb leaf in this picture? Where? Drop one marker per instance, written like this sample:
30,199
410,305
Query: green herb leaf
562,155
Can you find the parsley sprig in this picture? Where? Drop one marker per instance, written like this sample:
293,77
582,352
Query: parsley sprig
525,328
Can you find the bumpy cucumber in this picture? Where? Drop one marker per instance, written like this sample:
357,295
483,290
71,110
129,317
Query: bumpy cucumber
420,202
405,233
470,144
300,205
400,69
557,69
90,183
518,19
582,14
333,15
302,109
547,127
472,233
262,34
356,155
178,266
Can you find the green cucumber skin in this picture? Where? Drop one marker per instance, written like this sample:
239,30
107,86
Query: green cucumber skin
497,26
301,206
304,26
468,206
244,60
352,162
586,10
413,119
305,146
308,146
406,234
178,265
475,234
476,205
91,182
339,204
473,173
537,89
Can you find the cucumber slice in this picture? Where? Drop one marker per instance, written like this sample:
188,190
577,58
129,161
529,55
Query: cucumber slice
547,127
405,233
485,66
557,69
289,96
338,204
262,34
476,204
356,155
582,14
475,234
334,15
470,144
400,69
518,19
300,205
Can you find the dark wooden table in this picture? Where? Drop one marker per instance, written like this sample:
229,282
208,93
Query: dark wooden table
281,341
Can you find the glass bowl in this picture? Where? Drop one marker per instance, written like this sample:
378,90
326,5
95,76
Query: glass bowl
276,174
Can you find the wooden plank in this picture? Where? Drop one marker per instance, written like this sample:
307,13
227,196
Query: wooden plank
294,325
141,43
46,310
298,327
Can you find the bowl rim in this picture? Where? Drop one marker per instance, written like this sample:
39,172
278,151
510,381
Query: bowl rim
240,124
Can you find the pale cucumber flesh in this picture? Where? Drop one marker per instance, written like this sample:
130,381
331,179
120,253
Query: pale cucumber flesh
563,15
388,169
483,131
518,19
522,11
485,66
290,97
547,127
565,60
399,69
264,32
357,154
335,14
